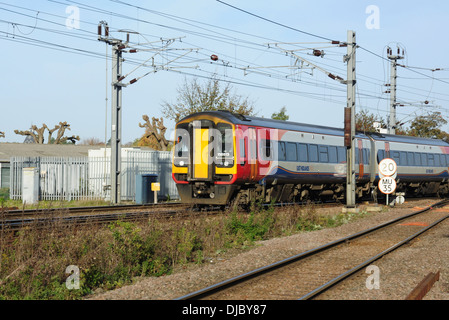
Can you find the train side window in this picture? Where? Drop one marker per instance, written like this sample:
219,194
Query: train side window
281,151
380,155
403,158
417,158
396,157
366,156
291,151
442,160
430,160
313,153
424,159
436,158
447,159
341,154
410,159
324,156
333,154
302,152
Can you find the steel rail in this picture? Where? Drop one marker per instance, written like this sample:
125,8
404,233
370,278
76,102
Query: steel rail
367,262
202,293
89,208
17,223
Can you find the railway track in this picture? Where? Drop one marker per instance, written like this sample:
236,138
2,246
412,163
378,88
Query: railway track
308,274
16,219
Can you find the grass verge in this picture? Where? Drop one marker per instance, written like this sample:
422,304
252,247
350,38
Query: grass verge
36,263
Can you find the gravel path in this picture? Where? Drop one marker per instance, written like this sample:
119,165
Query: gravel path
400,272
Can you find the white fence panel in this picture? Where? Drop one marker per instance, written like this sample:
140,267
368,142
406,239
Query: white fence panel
76,178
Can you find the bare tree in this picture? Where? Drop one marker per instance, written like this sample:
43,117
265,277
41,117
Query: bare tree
154,133
50,132
38,133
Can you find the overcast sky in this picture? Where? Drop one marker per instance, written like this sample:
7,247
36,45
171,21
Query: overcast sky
54,68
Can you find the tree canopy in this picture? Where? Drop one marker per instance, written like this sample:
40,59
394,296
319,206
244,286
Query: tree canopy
195,96
281,115
425,126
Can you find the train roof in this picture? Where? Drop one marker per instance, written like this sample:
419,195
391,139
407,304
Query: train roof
304,127
269,123
408,139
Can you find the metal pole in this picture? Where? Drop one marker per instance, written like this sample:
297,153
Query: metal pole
116,121
350,151
394,63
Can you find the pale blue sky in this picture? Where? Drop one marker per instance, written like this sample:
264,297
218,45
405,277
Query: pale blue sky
44,85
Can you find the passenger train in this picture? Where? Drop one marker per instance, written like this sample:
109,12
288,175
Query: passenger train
221,158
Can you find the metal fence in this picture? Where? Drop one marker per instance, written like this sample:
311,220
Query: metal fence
81,178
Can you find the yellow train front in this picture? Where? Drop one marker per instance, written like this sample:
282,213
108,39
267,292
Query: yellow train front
204,165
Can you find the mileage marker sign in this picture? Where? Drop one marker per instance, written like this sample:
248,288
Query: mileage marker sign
387,185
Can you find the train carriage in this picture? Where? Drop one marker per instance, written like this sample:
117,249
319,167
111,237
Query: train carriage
220,157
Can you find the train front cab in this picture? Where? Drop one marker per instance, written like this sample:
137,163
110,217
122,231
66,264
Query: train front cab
204,165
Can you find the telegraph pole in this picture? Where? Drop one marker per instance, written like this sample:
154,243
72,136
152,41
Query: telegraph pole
394,63
116,106
350,121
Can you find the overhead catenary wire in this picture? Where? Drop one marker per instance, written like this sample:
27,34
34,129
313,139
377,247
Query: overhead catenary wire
230,37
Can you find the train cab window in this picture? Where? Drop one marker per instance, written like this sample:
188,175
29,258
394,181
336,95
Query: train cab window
281,151
333,154
341,154
303,152
313,153
291,151
324,156
424,159
224,156
181,154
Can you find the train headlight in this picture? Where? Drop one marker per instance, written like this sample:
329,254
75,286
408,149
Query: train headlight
181,163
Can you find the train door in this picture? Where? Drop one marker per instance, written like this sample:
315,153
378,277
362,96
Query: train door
360,157
252,153
243,160
201,161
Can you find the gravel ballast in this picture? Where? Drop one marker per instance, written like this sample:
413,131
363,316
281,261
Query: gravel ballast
399,272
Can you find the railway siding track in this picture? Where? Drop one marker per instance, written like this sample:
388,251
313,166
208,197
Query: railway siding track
306,275
16,219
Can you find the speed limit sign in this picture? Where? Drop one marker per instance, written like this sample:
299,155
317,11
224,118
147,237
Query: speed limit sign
387,185
387,168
